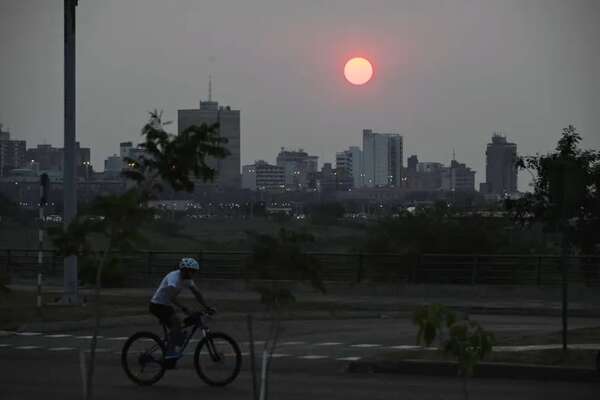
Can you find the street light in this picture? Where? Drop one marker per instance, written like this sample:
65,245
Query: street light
70,295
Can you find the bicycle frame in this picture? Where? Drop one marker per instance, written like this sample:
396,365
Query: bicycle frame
198,325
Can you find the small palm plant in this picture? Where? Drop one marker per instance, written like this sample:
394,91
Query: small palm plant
465,340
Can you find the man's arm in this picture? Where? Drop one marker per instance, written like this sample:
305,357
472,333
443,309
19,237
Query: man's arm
180,306
199,296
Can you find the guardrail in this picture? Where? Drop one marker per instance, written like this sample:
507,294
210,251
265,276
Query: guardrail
472,269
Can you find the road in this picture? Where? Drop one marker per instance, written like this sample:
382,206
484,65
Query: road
310,361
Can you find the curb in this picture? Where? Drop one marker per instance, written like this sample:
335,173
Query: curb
483,370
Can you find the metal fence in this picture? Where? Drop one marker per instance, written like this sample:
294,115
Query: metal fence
471,269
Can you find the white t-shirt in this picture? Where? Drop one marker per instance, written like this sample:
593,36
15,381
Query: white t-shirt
170,287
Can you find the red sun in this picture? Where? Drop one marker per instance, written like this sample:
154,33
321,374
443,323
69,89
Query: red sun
358,71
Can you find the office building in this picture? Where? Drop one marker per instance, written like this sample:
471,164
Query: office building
12,153
263,176
228,120
350,161
458,178
501,168
382,159
298,165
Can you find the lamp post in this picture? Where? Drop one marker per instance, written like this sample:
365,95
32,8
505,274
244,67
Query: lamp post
70,295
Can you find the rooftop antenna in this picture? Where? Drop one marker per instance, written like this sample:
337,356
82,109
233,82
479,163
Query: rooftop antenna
209,87
453,155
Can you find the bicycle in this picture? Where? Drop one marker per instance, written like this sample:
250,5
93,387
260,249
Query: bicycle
145,351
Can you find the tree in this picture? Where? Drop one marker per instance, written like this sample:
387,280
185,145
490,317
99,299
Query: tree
173,160
565,200
465,340
275,261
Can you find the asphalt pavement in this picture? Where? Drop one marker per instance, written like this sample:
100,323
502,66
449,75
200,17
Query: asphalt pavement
310,361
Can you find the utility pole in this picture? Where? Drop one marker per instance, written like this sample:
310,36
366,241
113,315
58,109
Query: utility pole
71,294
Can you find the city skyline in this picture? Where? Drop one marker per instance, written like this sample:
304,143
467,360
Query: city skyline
446,75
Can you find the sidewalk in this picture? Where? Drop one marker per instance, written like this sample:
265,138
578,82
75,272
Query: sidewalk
373,303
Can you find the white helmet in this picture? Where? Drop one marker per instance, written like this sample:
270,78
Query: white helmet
189,263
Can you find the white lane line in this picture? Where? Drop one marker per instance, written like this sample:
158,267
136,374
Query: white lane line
61,348
28,333
101,350
405,347
59,335
313,357
27,347
365,345
292,343
328,344
117,338
280,355
88,337
348,358
255,342
5,345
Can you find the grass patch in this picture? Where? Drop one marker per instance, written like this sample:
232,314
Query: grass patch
579,335
551,357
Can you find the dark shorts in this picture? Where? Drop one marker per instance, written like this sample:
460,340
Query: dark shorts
162,312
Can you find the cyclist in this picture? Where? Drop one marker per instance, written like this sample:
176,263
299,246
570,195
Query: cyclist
165,297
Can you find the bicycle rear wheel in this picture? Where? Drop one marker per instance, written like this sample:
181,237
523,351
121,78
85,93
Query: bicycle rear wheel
217,359
142,358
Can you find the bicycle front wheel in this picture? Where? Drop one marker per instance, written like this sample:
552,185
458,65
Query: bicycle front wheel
217,359
142,358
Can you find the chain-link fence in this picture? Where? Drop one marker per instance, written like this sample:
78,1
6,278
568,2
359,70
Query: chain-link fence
471,269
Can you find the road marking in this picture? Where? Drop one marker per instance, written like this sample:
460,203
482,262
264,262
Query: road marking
27,347
292,343
29,333
328,344
313,357
117,338
280,355
61,335
405,347
5,345
348,358
88,337
255,342
365,345
61,348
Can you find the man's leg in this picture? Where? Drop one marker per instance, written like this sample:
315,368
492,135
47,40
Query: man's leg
174,332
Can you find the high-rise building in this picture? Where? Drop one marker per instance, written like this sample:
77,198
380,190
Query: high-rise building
113,165
298,165
263,176
4,135
382,159
458,178
12,153
351,163
501,166
228,120
51,158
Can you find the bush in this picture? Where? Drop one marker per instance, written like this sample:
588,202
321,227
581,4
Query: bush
4,281
113,274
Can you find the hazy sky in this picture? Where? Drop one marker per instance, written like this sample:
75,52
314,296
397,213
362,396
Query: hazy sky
447,73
